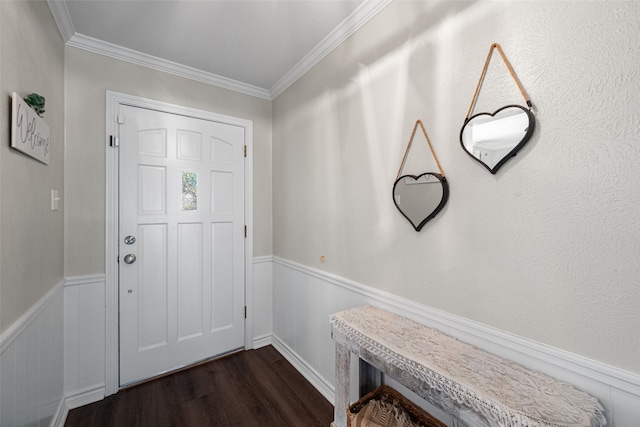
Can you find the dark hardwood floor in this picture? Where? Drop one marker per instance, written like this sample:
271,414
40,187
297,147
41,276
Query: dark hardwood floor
249,388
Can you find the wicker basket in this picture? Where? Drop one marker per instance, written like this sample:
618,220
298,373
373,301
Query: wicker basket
359,416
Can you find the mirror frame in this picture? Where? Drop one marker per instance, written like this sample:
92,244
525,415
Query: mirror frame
514,151
443,201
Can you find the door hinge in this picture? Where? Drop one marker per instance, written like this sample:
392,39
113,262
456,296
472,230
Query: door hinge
245,311
245,151
114,141
245,231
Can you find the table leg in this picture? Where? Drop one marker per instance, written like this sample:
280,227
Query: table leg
343,375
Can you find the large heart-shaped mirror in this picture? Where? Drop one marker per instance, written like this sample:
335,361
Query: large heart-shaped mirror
420,198
492,139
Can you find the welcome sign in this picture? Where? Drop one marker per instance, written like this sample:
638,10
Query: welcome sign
29,133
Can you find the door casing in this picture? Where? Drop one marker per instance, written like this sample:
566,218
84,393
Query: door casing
114,101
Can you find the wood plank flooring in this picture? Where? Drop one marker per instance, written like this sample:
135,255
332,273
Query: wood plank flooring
249,388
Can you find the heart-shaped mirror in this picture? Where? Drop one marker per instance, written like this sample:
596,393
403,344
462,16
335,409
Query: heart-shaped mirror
420,198
492,139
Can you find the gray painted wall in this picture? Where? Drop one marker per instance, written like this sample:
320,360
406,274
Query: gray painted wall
88,77
31,235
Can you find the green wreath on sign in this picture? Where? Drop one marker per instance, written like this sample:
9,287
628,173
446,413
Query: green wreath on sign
36,102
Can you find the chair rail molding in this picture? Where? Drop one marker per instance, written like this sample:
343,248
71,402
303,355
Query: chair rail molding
310,296
19,326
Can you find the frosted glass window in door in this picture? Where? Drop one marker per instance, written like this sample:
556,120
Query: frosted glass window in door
189,191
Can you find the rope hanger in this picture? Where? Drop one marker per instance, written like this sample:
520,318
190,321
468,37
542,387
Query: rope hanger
484,71
406,153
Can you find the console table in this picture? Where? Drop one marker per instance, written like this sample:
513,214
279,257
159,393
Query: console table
477,388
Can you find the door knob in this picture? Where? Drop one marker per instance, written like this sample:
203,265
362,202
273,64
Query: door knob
129,259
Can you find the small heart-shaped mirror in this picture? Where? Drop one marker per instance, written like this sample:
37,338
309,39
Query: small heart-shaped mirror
420,198
492,139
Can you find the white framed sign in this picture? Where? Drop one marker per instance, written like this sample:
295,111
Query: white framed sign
29,133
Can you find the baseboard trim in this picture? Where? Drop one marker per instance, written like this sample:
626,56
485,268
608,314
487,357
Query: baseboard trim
311,375
85,396
60,417
262,341
76,399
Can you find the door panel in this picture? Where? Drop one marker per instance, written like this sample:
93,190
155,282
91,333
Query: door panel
152,286
221,236
190,289
182,198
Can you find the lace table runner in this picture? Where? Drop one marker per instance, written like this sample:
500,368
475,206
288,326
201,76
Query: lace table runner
497,388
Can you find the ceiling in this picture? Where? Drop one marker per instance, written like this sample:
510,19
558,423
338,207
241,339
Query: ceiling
256,47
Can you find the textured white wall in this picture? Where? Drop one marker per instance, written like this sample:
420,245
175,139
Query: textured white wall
545,249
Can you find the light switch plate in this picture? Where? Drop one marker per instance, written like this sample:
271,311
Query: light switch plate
54,200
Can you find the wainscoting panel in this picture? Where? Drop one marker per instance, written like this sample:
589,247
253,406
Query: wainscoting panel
84,340
31,365
304,298
52,359
262,301
85,331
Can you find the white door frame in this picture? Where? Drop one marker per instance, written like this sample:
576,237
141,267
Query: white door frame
114,100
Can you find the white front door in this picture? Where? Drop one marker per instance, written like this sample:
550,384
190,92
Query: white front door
181,241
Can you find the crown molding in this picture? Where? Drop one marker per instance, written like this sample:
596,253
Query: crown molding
367,10
63,18
129,55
